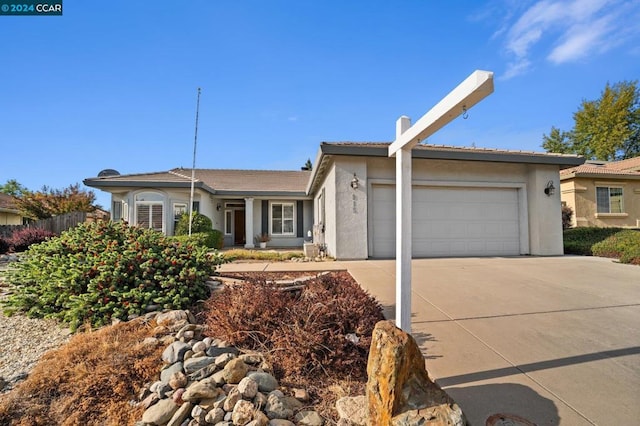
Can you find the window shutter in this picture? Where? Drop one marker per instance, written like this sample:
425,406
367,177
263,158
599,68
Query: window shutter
156,217
300,218
265,216
142,215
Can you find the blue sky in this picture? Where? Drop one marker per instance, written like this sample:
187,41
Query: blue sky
114,84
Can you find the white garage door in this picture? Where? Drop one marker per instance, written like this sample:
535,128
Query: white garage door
449,221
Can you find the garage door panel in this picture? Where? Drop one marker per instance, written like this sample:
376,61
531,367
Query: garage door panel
450,221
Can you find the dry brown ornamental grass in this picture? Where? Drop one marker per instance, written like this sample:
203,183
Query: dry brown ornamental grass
88,381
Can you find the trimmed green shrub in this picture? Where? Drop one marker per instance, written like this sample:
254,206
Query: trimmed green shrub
199,223
22,239
96,272
623,245
201,239
217,239
581,240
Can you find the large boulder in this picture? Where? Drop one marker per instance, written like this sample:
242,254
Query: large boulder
399,390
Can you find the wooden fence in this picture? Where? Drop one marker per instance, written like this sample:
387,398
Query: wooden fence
56,224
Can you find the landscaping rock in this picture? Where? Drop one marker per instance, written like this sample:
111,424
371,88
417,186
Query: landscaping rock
280,422
194,364
398,383
276,407
215,416
160,413
171,318
234,371
248,388
175,352
167,373
242,412
353,409
217,390
178,380
223,359
180,415
215,351
266,382
232,397
200,390
309,418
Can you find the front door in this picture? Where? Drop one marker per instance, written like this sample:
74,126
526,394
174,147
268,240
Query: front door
238,228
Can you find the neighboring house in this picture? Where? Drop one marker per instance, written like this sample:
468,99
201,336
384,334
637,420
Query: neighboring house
466,201
604,194
9,213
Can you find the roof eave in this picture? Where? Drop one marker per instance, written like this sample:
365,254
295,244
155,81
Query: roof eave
262,194
434,153
103,184
602,176
12,211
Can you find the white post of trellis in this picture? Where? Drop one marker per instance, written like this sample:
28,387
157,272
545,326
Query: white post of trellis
468,93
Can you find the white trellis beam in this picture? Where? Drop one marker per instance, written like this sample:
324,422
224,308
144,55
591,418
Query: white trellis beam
468,93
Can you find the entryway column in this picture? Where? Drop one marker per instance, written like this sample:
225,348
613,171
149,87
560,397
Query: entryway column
248,221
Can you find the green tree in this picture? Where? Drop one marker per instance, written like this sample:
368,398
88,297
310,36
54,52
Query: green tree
50,202
557,141
607,128
13,187
308,165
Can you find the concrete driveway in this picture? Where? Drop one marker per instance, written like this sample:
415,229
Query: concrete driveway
553,340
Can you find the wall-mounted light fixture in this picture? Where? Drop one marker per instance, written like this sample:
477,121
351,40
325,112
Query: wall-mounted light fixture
549,189
354,182
218,206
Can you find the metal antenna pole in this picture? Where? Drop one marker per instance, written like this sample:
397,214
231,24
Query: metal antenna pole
193,168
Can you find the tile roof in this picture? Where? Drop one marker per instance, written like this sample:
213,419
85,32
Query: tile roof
630,164
251,180
623,168
226,180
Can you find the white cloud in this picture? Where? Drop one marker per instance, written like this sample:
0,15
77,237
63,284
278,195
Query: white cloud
579,42
516,68
565,30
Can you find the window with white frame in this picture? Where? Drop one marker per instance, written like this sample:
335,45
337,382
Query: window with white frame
609,199
150,210
178,210
116,211
228,222
282,218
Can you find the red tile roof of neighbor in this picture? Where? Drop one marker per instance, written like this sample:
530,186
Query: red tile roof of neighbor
623,168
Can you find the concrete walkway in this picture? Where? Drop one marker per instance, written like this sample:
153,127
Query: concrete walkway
553,340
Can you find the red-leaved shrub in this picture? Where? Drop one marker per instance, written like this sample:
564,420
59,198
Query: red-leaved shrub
23,238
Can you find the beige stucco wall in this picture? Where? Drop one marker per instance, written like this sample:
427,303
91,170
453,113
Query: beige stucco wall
347,232
580,195
10,219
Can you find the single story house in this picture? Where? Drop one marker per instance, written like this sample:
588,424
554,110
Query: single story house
603,194
466,201
9,213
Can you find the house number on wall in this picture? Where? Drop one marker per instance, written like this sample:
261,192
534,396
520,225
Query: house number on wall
355,209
